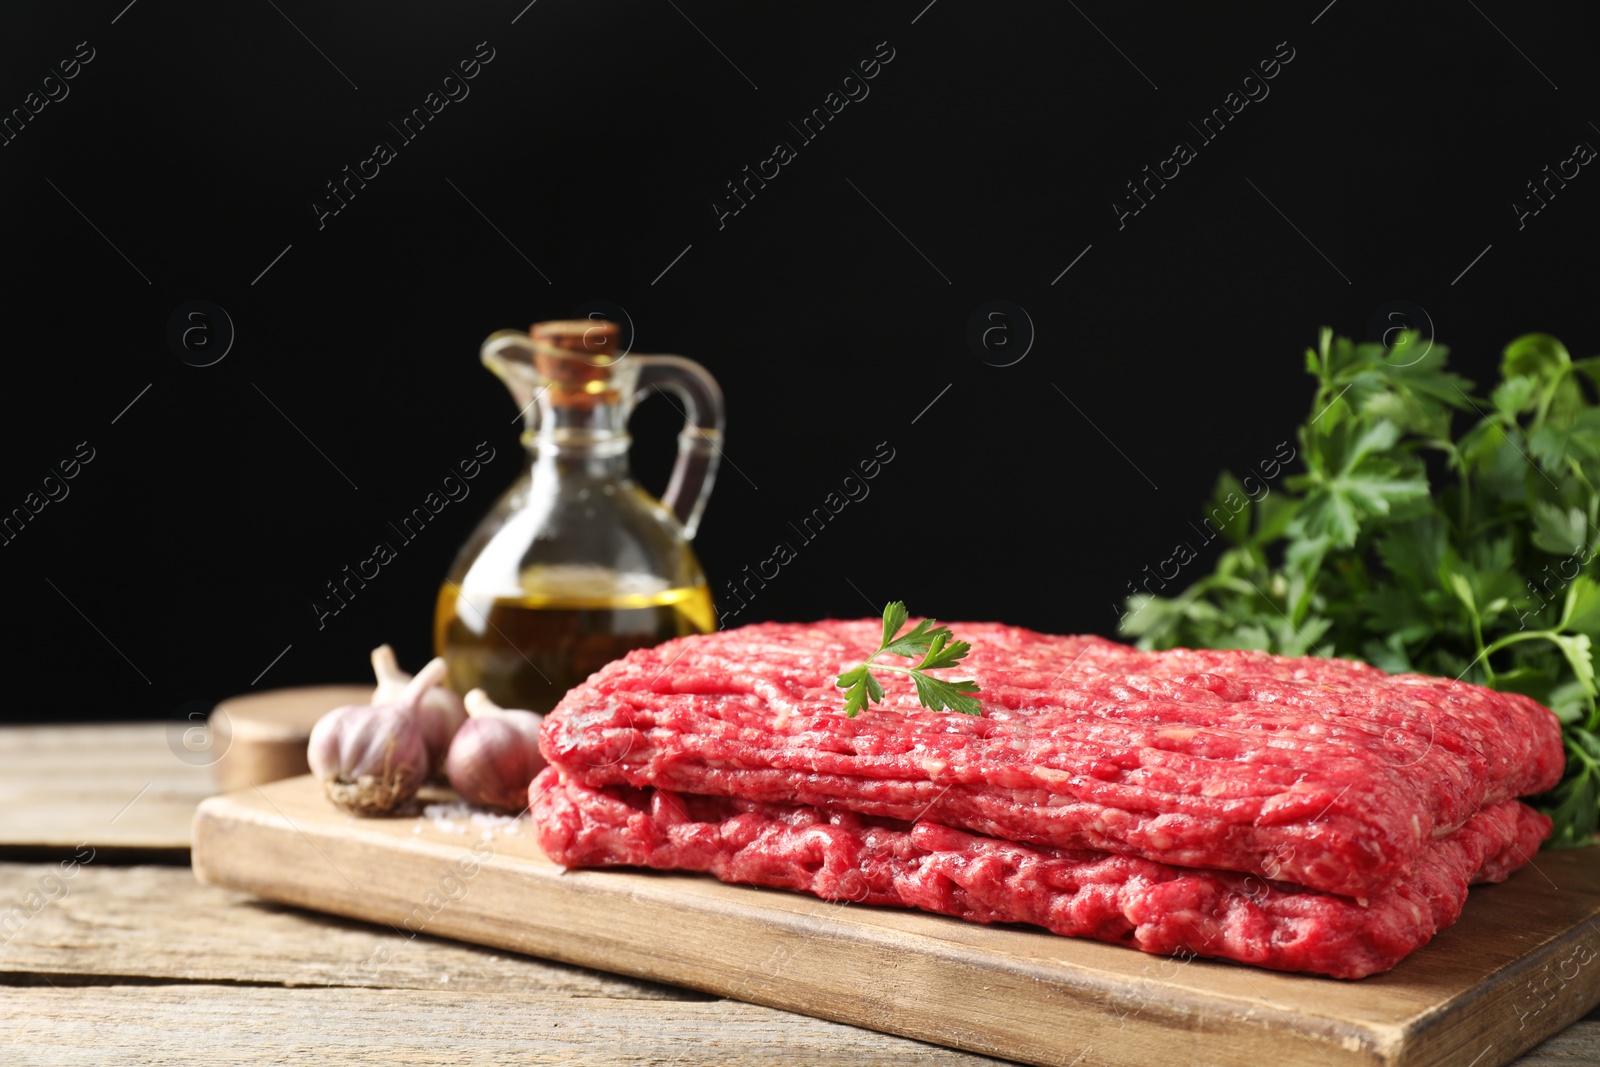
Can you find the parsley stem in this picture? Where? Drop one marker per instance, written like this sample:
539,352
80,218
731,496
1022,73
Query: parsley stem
1477,635
1547,398
1577,750
1521,635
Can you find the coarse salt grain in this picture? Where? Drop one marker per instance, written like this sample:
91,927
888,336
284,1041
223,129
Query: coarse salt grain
453,817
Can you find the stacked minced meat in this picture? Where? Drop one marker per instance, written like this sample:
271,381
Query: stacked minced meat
1301,814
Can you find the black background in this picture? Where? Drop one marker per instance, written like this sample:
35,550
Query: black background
833,309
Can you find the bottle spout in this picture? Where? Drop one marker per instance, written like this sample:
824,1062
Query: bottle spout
509,354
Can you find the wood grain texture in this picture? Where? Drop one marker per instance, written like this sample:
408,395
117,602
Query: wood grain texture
1576,1046
1520,965
212,1024
160,923
119,786
157,924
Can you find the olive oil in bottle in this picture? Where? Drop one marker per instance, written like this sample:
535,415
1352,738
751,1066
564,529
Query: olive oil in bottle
526,651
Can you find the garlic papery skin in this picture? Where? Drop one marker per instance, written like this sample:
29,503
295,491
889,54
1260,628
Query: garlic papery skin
495,754
371,759
368,759
440,713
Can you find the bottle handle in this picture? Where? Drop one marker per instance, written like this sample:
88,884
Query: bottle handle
699,442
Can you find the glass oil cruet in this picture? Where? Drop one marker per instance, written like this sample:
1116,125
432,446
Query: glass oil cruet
576,564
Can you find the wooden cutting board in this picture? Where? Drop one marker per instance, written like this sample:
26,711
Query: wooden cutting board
1522,963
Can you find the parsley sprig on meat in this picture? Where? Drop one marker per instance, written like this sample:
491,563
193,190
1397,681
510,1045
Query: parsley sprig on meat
1469,556
937,647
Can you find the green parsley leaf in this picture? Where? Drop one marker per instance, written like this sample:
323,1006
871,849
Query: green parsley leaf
1559,531
914,643
1580,614
1576,812
861,688
1578,650
952,695
1535,354
894,617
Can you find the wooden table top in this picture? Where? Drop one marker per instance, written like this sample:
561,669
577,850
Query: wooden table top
125,958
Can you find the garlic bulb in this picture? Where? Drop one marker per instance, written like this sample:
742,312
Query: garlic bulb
370,759
495,754
439,715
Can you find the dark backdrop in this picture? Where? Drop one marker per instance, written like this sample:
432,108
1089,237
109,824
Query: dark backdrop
182,161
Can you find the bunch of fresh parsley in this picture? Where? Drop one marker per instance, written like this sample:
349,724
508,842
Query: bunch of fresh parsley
1414,548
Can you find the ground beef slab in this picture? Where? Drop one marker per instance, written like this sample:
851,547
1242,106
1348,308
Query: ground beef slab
1122,899
1327,773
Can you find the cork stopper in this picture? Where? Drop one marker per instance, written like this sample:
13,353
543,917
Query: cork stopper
588,337
575,356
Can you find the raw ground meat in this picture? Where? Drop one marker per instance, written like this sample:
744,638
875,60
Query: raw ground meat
1122,899
1327,773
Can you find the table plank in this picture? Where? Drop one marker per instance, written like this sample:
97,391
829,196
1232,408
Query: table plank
1576,1046
110,786
158,922
211,1024
208,1024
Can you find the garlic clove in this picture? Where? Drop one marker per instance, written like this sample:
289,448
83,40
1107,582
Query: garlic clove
368,759
392,680
495,754
422,684
478,703
440,712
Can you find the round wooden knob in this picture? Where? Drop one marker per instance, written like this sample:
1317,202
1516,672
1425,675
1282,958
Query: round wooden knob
263,736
